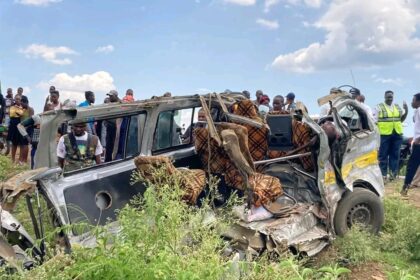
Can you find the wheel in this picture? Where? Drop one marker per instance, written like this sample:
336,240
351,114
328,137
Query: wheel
362,207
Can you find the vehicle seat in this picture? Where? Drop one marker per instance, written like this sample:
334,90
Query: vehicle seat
301,135
193,181
257,137
265,188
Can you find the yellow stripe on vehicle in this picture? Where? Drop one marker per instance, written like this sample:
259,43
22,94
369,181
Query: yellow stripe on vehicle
360,162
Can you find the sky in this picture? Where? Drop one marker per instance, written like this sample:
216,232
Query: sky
197,46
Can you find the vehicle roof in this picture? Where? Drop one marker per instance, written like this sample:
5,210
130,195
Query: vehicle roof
119,108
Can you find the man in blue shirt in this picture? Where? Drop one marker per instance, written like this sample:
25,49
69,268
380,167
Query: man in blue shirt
90,100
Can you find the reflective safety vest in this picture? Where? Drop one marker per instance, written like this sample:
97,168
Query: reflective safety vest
388,120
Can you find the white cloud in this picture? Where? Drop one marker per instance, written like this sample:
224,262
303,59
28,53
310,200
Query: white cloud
269,24
105,49
48,53
392,81
313,3
306,24
37,2
309,3
269,3
73,87
242,2
381,33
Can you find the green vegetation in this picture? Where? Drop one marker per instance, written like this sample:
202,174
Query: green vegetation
163,238
397,246
7,169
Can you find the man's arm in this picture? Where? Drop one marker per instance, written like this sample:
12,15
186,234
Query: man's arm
61,152
98,159
98,151
22,128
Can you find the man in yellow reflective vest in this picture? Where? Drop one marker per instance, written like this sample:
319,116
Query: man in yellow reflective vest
389,118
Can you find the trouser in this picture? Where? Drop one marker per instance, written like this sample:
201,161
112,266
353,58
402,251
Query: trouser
413,164
33,151
389,153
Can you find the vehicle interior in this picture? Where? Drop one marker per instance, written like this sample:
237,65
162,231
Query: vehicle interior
285,135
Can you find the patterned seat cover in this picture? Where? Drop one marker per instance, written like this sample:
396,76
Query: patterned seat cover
257,137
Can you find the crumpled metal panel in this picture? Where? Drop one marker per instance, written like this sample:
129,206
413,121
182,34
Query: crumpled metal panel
301,230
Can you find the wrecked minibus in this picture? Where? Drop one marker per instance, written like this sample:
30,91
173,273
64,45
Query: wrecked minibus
304,181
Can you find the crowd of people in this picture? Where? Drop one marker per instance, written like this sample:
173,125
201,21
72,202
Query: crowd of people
21,127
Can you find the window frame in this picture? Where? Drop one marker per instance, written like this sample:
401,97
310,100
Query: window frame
155,151
140,136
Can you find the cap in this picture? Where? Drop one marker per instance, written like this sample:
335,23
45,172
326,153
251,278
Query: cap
354,91
290,95
112,92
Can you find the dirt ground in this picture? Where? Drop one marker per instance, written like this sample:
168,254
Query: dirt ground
368,271
393,190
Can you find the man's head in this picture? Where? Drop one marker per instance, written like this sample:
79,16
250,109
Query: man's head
54,96
264,100
106,100
167,94
18,100
129,92
113,96
389,97
361,98
20,91
278,103
201,116
290,98
90,96
355,92
79,129
416,101
246,94
24,101
9,93
258,94
52,88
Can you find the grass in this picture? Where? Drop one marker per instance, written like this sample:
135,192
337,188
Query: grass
397,246
163,238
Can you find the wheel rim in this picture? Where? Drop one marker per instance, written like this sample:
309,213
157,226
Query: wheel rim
359,214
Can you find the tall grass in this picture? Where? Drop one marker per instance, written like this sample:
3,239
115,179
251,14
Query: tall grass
161,237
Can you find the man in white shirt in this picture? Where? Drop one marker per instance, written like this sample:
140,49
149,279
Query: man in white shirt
78,149
414,161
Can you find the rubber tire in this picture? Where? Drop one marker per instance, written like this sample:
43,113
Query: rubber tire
357,197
